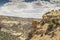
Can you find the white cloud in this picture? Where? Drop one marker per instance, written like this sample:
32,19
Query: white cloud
27,10
55,1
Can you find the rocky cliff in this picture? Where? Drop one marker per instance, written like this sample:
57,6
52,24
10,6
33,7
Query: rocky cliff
49,28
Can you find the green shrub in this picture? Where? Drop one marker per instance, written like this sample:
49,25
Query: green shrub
49,29
47,13
42,23
53,21
59,9
50,26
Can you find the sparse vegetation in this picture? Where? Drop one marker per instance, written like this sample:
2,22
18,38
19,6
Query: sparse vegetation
59,9
7,36
49,29
42,22
30,35
47,13
52,10
53,21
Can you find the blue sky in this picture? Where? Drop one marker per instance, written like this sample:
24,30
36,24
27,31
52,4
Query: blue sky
30,0
2,2
34,0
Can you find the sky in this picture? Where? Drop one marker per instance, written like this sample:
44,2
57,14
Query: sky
27,8
2,2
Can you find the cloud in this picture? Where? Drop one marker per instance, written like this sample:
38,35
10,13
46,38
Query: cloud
27,10
16,0
55,1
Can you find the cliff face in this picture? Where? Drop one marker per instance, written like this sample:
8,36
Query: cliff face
49,27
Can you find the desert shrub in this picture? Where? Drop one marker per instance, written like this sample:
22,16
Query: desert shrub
47,13
57,24
49,29
30,35
42,23
50,26
59,9
52,10
53,21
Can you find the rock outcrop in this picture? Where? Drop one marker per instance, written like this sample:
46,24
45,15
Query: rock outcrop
49,27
